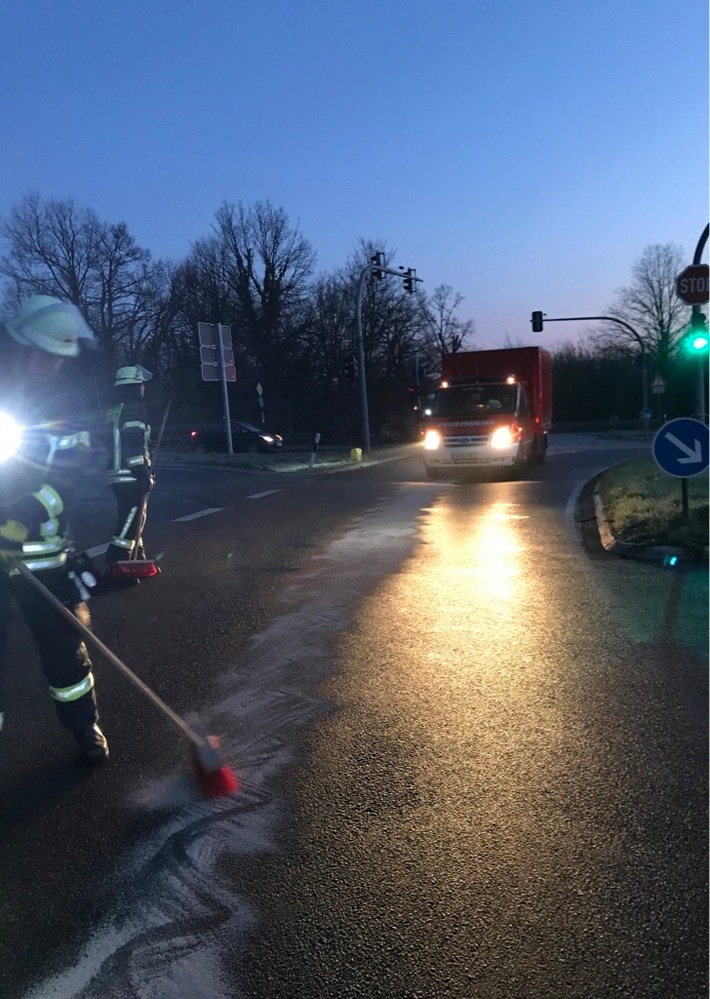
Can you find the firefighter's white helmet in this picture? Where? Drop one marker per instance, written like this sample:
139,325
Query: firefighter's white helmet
135,374
50,324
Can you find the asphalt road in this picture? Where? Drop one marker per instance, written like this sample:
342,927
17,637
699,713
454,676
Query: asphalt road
472,749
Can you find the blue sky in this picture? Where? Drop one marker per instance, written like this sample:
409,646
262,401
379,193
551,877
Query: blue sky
522,152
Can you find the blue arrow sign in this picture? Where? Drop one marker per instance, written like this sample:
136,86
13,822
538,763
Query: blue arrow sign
680,448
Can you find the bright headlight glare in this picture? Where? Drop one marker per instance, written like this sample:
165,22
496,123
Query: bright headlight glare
269,440
432,440
10,436
502,437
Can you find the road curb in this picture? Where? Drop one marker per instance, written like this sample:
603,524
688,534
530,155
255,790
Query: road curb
324,468
627,549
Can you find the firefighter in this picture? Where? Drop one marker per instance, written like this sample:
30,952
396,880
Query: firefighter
130,474
43,450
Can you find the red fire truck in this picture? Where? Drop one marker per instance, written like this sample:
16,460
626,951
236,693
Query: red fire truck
493,409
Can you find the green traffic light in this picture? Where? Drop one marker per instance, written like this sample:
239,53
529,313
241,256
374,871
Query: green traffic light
697,339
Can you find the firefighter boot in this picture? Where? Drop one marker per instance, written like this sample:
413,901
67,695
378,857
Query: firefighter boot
92,744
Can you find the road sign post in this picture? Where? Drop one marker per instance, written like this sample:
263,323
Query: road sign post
217,362
680,449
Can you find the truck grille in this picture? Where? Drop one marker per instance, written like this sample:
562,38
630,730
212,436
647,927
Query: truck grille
476,441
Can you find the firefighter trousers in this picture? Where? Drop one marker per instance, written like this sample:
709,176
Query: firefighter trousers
132,511
63,655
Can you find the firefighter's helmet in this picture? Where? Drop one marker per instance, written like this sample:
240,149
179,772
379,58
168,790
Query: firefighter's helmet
50,324
133,375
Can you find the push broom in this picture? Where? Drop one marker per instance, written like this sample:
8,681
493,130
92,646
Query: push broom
134,567
214,777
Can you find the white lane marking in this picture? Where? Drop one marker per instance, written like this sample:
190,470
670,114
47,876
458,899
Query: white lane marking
259,495
98,550
200,513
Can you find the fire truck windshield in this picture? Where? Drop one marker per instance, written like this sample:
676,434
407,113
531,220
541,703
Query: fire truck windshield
472,400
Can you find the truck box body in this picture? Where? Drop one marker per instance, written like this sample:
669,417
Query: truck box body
493,409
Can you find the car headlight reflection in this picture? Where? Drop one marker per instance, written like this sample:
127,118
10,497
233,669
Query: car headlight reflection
432,440
502,437
269,440
10,436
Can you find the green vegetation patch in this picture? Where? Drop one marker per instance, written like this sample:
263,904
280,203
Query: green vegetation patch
643,505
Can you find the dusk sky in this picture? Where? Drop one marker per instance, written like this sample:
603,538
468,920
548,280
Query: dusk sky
522,151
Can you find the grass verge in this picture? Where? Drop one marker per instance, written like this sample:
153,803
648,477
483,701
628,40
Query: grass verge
643,506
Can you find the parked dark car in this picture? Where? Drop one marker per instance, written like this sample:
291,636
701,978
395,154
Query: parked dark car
247,437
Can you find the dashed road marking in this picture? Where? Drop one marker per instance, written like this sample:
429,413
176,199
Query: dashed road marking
259,495
200,513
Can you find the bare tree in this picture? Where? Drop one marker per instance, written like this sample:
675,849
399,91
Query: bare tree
445,332
123,298
60,248
649,304
52,250
327,331
265,263
268,264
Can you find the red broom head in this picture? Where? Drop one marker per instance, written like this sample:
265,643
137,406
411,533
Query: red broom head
219,784
215,778
135,569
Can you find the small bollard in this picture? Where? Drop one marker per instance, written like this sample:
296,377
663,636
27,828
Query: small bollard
356,454
314,450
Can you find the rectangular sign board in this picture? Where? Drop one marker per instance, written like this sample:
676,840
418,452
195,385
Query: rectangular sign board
210,372
209,355
208,335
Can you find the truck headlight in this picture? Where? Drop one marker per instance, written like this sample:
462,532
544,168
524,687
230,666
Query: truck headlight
502,437
432,440
10,436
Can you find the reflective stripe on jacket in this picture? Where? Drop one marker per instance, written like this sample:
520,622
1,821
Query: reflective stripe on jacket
48,550
129,442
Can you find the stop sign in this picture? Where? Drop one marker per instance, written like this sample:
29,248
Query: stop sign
692,284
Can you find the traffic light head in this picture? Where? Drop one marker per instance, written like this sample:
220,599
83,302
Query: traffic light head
697,340
378,260
536,322
409,276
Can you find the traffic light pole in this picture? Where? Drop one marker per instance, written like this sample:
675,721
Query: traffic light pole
632,331
697,311
364,416
700,383
377,268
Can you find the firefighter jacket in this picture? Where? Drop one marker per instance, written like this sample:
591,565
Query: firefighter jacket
39,480
128,444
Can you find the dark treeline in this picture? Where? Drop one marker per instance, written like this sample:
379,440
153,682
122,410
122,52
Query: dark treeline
293,328
598,383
